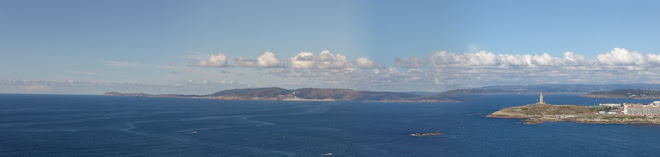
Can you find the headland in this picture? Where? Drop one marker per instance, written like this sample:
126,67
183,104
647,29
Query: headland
628,113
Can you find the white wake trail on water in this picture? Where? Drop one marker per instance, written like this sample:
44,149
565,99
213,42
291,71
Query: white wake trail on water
245,119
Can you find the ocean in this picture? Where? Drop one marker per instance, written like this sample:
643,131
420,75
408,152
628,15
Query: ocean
75,125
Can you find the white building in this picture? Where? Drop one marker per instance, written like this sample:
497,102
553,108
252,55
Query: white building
655,103
611,105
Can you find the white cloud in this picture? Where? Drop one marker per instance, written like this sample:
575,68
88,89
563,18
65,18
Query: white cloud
486,68
268,59
302,60
481,58
219,60
325,60
545,59
620,56
265,60
363,62
571,58
653,58
489,59
515,60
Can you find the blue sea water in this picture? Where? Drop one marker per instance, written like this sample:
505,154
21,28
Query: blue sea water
70,125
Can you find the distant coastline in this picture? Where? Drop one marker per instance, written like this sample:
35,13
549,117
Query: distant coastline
641,91
307,94
625,94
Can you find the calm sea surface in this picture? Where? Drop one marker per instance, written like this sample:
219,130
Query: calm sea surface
66,125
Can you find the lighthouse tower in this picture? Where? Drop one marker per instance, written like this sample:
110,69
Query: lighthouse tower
541,98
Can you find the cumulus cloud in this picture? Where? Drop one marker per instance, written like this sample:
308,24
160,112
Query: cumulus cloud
570,58
325,60
302,60
481,58
265,60
620,56
219,60
653,58
486,59
366,63
615,66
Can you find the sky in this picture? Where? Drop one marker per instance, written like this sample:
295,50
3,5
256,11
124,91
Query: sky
199,47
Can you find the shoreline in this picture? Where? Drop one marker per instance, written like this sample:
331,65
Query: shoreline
292,99
615,97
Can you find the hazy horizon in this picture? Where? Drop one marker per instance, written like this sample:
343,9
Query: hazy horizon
200,47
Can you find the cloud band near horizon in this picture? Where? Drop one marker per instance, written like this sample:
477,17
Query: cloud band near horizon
453,69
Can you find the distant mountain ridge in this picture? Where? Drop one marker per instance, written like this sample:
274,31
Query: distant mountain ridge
331,94
305,94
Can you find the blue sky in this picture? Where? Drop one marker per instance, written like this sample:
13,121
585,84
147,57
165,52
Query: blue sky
160,42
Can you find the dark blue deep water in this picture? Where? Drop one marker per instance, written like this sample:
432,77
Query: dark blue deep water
64,125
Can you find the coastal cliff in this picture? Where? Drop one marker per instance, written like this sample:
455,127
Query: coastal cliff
540,113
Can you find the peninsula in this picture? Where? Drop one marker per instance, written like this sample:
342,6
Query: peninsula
307,94
603,114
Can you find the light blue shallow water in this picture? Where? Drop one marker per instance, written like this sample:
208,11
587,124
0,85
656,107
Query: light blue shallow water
61,125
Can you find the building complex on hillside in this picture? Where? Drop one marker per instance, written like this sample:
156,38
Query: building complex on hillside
637,109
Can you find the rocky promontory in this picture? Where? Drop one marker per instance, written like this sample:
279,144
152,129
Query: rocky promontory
539,113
